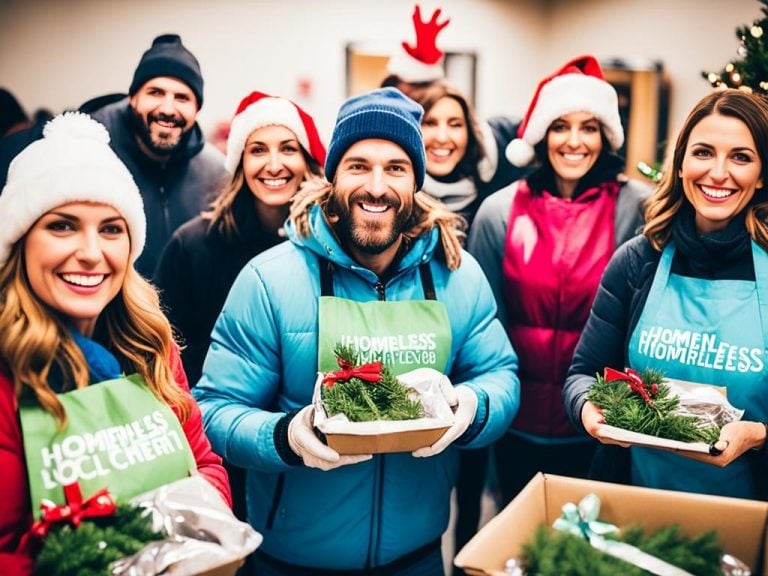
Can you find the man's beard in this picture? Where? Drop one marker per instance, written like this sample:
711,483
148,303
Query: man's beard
161,147
366,235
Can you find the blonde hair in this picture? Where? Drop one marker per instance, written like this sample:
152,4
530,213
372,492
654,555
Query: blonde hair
221,213
428,213
33,338
669,196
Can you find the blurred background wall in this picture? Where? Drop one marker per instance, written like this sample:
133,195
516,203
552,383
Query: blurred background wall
57,54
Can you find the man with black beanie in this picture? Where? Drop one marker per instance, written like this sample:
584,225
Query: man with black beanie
153,129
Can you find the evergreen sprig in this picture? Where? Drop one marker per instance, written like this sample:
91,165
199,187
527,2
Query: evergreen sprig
623,408
364,401
554,553
89,549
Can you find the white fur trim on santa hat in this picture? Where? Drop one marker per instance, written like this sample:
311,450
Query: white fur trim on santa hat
268,111
411,70
563,95
71,163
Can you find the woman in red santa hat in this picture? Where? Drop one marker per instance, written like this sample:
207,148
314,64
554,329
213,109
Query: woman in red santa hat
544,242
272,148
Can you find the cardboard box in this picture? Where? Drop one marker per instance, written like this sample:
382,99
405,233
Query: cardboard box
741,524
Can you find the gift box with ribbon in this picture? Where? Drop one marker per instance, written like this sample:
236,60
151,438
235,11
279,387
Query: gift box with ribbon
740,524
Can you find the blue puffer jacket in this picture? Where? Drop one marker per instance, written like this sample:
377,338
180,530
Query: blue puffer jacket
262,364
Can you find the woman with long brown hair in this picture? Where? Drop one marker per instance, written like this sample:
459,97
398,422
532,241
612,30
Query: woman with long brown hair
688,297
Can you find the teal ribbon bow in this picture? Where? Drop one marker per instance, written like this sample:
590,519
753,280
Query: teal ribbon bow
582,520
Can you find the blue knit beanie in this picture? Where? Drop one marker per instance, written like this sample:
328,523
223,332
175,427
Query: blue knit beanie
169,57
385,113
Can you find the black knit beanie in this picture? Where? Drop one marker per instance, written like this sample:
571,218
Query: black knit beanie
169,57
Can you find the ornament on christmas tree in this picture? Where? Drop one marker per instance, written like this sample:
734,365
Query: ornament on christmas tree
750,71
649,405
366,392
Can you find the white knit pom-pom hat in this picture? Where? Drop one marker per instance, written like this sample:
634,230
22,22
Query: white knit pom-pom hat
71,163
579,86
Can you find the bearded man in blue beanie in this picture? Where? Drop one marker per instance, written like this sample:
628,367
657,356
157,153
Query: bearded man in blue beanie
369,259
154,131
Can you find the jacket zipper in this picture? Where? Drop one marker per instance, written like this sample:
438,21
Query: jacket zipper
276,500
378,496
380,290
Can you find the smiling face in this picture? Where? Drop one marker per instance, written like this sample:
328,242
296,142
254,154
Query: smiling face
76,257
373,197
273,165
720,170
446,136
574,144
165,109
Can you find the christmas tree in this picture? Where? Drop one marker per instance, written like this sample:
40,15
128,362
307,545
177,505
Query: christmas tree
750,71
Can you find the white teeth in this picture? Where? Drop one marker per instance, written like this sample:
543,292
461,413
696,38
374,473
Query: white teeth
374,207
275,182
441,152
716,192
574,157
82,280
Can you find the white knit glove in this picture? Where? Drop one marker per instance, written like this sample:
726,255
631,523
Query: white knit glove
305,443
465,401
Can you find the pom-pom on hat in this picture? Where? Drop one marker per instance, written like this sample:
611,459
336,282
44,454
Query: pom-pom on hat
258,110
579,86
71,163
424,61
169,57
385,113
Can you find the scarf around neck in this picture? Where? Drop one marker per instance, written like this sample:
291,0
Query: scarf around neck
712,254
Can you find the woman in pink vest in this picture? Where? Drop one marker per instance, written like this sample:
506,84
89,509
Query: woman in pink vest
92,391
544,242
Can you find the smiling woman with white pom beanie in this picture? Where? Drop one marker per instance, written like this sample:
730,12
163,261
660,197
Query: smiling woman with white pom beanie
75,313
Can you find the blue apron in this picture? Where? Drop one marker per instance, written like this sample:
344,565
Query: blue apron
710,332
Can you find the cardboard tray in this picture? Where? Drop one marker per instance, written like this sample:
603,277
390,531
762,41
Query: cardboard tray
380,437
741,524
406,441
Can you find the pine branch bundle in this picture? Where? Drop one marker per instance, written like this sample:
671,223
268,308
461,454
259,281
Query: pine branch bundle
89,549
554,553
363,401
623,407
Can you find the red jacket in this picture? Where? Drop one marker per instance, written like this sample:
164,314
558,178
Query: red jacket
15,507
555,253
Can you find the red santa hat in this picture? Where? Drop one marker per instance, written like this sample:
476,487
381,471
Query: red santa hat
579,86
258,110
422,62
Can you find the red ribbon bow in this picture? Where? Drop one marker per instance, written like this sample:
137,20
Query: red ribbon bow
370,372
97,505
634,381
